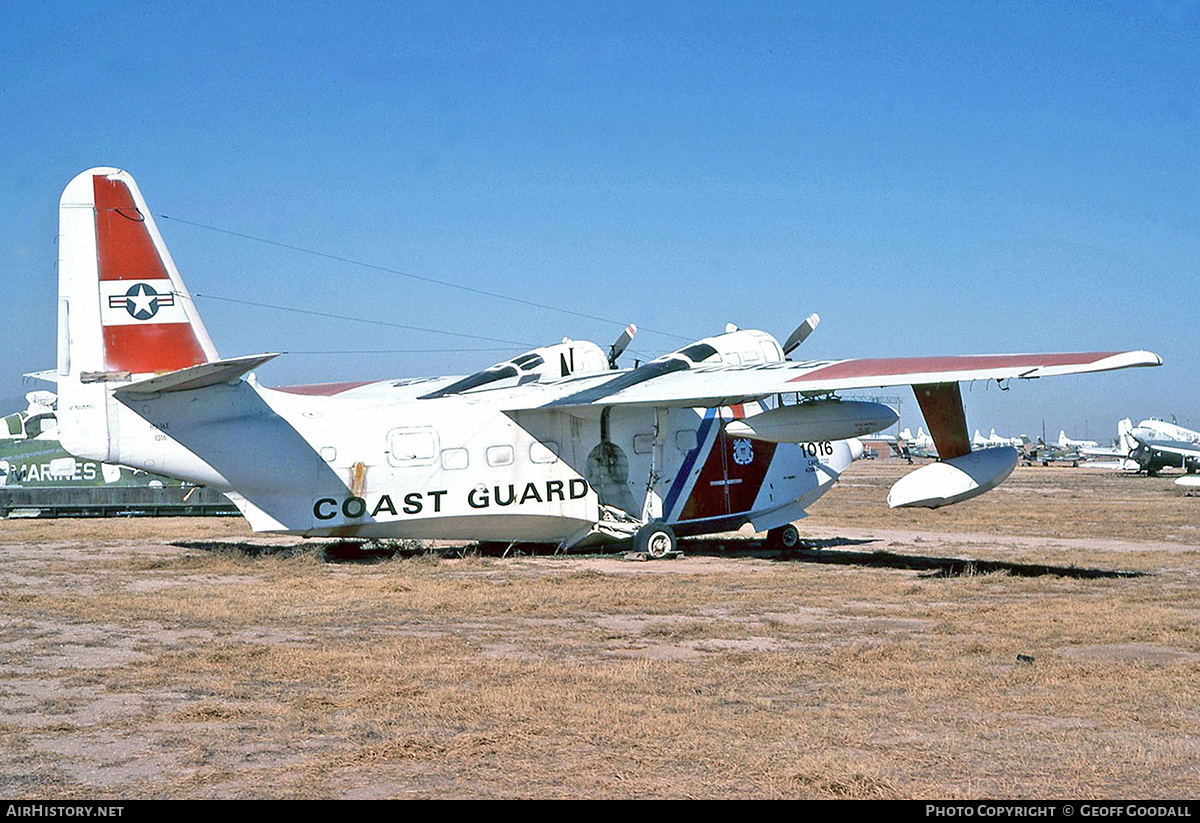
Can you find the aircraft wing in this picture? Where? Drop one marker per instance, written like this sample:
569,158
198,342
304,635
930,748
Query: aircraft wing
1181,449
1101,452
665,383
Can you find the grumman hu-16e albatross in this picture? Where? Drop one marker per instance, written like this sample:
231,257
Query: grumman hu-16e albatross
554,446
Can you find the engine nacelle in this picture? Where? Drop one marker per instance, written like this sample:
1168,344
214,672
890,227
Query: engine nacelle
954,480
570,357
815,420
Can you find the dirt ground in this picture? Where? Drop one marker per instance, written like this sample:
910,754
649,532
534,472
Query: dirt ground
1039,642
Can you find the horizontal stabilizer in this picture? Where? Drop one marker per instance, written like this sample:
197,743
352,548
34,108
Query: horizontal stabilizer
197,377
952,481
49,375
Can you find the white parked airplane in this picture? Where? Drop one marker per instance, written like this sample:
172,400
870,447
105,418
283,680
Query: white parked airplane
919,444
555,446
994,440
1153,445
1068,444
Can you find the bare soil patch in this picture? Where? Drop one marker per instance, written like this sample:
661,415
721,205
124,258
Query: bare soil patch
960,653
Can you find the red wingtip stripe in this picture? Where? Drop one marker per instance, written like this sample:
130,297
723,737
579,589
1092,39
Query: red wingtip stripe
324,389
885,367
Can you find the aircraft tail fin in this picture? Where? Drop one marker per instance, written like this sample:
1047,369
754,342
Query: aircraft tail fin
110,249
1124,436
123,309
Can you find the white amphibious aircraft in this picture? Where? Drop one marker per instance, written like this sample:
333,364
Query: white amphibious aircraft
555,446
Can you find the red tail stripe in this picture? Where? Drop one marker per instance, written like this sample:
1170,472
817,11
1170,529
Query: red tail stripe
124,247
125,251
152,347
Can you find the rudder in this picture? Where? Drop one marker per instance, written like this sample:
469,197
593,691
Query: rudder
123,309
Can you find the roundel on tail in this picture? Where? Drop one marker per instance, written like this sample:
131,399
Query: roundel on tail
147,320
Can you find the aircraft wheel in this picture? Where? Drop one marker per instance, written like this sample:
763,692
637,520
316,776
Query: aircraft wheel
784,537
655,539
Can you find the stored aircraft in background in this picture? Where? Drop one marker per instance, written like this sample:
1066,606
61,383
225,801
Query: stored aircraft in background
1065,443
1039,452
32,457
1153,445
919,444
994,440
554,446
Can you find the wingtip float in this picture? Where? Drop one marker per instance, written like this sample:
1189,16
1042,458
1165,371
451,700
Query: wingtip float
554,446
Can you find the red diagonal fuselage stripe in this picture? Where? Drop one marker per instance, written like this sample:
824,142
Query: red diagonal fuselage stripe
724,486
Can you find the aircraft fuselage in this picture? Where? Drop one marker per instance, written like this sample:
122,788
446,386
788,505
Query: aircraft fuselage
449,467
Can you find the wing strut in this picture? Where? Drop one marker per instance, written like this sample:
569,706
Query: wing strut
941,403
960,473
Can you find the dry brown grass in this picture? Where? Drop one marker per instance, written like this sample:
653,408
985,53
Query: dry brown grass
134,667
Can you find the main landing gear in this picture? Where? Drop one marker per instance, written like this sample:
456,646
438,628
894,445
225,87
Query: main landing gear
784,537
655,540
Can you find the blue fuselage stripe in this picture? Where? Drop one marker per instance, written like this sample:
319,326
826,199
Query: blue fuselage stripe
710,417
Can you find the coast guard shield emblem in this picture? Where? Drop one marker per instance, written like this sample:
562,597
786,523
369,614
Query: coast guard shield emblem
743,452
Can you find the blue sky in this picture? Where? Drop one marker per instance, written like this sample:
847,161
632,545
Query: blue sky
930,178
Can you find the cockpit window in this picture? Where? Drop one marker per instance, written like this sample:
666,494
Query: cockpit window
526,362
480,378
698,352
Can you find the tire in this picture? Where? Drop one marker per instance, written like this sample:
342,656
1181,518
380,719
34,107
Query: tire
784,537
655,539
